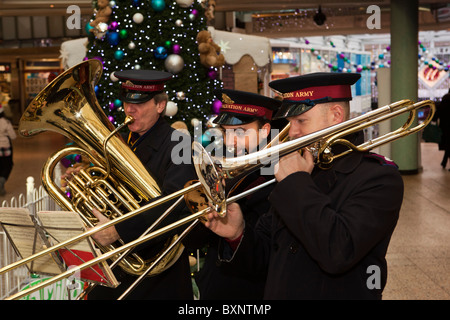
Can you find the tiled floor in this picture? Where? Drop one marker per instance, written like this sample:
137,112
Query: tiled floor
419,255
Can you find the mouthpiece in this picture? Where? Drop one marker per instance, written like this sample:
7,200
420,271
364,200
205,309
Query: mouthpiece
128,120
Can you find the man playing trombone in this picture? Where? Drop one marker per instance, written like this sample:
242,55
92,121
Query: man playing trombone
245,121
328,230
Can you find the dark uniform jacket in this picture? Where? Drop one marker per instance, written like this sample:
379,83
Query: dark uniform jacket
327,233
443,113
216,280
154,150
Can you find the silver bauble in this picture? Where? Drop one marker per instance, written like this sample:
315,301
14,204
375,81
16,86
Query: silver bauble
138,18
171,109
185,3
174,63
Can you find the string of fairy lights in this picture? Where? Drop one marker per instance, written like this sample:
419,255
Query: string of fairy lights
382,60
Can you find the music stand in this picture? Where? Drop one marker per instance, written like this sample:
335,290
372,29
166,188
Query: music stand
31,234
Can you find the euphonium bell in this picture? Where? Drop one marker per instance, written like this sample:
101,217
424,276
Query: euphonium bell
116,182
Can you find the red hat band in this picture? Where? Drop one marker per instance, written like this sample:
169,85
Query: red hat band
247,109
143,87
313,93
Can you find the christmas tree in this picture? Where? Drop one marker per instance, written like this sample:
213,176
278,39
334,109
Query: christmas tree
153,35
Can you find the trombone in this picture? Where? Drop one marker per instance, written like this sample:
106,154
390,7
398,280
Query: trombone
214,172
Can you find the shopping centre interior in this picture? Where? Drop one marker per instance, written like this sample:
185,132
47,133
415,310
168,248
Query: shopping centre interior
352,36
262,41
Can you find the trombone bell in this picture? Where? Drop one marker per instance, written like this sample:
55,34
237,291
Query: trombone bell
209,176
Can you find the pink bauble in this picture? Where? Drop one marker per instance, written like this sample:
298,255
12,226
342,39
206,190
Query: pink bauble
113,26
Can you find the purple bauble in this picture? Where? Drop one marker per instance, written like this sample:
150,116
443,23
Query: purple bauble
65,162
212,74
99,59
217,104
176,49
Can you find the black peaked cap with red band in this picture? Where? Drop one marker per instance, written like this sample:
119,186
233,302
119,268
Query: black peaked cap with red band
301,93
139,86
240,107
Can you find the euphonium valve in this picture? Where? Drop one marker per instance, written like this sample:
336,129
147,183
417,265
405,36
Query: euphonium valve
115,182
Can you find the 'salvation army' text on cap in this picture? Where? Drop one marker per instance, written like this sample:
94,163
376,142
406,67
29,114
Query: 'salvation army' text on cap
301,93
240,107
139,86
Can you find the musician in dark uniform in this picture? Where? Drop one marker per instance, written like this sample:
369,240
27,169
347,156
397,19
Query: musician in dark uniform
328,230
150,138
245,120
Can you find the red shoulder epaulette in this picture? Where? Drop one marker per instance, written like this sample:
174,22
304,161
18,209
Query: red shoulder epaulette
381,159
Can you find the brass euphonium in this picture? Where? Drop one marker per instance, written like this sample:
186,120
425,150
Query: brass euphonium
116,182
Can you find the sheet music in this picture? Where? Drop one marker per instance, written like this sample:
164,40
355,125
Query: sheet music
21,231
64,225
30,235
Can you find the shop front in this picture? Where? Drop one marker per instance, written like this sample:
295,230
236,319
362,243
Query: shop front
24,72
292,59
